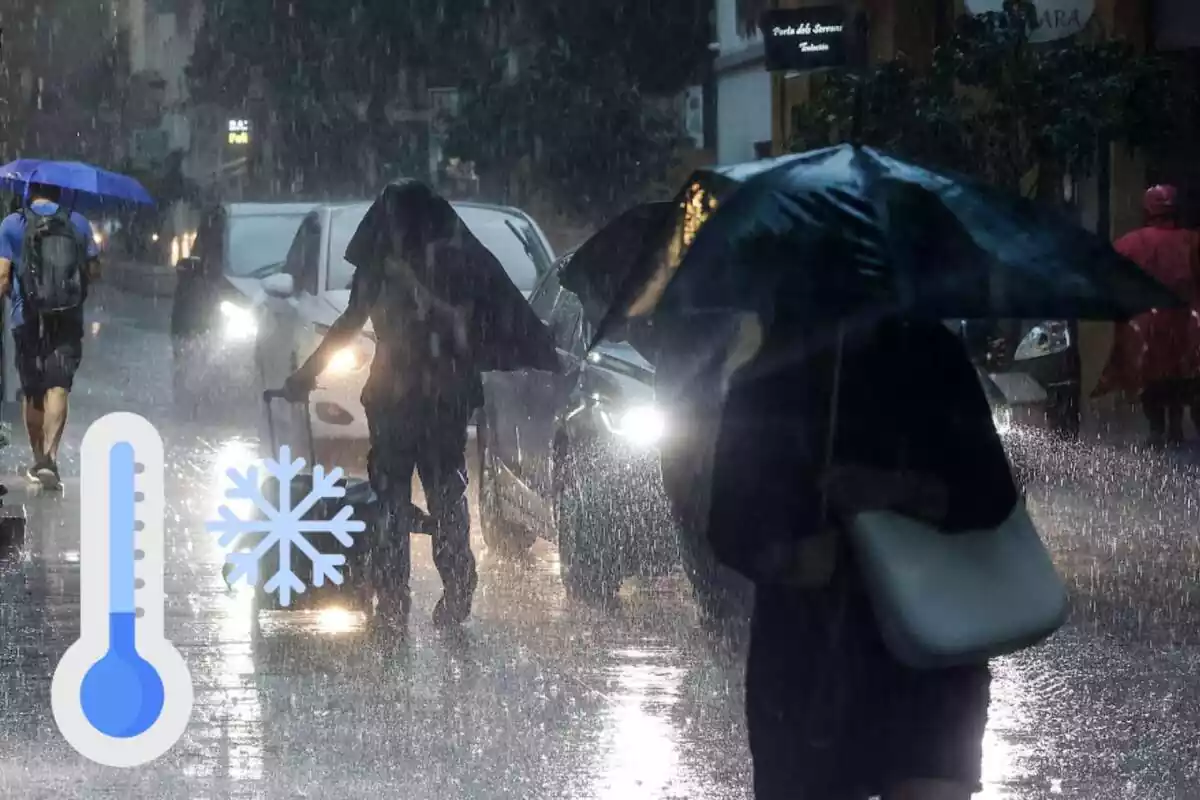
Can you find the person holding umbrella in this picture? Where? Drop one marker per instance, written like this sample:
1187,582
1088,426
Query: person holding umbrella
857,475
443,312
46,255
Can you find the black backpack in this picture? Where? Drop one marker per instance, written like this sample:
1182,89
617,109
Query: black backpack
53,263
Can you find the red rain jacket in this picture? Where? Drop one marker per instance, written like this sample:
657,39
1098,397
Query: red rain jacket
1159,344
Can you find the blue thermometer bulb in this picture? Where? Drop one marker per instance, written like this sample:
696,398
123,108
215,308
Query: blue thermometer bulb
122,694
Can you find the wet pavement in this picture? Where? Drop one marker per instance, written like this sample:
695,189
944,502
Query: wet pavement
541,698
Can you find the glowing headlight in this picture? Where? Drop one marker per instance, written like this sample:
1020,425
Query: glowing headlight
348,359
641,425
240,323
1044,339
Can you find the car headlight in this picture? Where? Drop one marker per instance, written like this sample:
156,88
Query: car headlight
642,425
1044,339
240,323
349,359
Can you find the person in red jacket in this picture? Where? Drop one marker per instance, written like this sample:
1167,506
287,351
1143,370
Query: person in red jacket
1158,353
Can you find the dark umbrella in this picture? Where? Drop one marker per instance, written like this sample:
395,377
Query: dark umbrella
850,232
411,222
600,266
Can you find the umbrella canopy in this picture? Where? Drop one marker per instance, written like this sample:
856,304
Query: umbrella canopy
89,183
848,231
410,223
600,266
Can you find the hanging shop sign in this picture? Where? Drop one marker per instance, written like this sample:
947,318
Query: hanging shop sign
805,39
1056,19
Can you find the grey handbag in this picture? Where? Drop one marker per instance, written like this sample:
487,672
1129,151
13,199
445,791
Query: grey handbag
945,600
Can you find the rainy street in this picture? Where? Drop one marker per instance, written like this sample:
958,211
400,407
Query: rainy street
540,698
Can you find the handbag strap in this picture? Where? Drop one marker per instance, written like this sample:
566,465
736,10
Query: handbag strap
834,402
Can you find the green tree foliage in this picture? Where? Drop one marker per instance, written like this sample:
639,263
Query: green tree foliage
587,108
996,106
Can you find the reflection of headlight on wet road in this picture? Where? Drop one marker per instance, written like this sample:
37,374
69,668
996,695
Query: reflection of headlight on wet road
1002,418
640,425
334,620
240,323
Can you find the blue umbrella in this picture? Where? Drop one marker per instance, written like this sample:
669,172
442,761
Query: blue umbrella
88,183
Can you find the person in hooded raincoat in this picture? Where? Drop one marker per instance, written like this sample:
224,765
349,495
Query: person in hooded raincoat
433,294
1158,353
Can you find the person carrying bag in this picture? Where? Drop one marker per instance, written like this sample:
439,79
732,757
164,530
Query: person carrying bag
883,509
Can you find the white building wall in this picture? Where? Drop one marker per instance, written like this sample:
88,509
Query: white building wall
743,113
743,89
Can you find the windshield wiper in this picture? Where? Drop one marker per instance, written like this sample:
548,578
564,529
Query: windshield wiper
266,270
525,243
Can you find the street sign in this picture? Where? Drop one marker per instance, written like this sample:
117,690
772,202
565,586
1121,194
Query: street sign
805,39
1056,19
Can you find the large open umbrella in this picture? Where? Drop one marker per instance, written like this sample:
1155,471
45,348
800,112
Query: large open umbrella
600,266
848,231
89,185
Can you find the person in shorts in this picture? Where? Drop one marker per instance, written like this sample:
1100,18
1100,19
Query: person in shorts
49,346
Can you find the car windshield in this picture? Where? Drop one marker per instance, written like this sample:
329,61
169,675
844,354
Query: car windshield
259,241
343,222
515,243
512,240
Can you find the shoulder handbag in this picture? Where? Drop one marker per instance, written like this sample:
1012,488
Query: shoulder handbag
950,599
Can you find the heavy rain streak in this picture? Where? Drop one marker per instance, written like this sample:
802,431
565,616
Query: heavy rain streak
616,400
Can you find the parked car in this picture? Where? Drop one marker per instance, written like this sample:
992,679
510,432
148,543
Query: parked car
311,291
213,325
1035,363
589,459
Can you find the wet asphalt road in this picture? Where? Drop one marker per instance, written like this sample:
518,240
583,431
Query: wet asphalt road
539,698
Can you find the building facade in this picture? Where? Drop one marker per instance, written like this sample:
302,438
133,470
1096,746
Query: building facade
743,87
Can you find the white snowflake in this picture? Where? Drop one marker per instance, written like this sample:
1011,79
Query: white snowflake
283,526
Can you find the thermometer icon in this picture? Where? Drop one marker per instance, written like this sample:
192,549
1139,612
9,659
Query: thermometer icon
122,694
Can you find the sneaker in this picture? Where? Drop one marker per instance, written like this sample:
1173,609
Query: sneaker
31,474
47,475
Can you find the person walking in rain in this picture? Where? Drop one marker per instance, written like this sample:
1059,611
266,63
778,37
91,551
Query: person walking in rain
443,311
832,715
46,255
1159,352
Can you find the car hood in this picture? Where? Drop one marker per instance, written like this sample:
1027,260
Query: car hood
337,302
250,287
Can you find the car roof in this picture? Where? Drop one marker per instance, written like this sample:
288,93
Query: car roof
364,204
267,209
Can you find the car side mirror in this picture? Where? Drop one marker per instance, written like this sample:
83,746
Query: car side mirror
280,285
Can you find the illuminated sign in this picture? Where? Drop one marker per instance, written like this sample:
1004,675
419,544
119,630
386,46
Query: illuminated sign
239,131
804,39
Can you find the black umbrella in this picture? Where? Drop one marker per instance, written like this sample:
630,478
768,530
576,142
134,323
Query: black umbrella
600,266
410,222
850,232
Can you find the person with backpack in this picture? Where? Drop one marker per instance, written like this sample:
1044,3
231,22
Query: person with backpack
46,254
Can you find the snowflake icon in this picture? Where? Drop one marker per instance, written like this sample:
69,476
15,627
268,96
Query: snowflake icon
282,525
